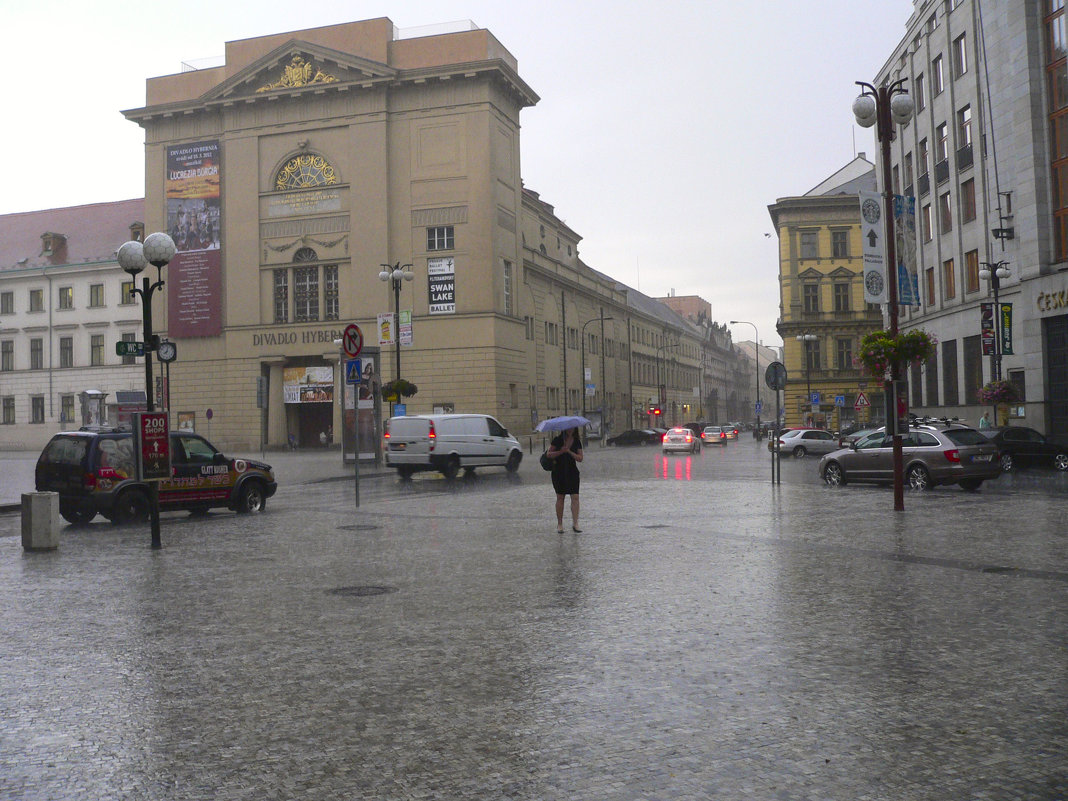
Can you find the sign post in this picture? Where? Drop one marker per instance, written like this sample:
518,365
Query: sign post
152,458
352,343
775,378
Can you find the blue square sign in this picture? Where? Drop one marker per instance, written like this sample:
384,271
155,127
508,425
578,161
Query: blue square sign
353,371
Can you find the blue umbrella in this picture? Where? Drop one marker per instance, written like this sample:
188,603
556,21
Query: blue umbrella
562,423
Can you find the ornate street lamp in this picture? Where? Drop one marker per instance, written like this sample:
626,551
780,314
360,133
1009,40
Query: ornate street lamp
883,107
157,249
994,273
397,273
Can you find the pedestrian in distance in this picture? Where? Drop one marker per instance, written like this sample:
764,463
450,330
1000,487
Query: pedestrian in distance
984,421
566,453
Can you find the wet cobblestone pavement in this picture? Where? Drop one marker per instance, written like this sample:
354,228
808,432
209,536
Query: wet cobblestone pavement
710,638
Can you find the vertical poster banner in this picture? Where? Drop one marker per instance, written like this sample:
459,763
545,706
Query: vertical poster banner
908,281
441,285
387,329
986,327
872,232
194,276
1006,329
404,327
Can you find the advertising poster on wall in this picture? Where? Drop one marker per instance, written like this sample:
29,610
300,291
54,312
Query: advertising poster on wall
308,384
194,277
441,285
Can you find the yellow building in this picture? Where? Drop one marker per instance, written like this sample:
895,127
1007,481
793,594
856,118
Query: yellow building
822,313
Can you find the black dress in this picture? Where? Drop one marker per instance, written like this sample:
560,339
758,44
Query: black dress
565,471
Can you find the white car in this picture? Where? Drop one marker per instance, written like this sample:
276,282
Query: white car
802,441
681,439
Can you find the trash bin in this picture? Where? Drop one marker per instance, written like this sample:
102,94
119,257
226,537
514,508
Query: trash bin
40,521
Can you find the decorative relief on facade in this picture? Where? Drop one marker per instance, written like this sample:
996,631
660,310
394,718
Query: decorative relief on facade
298,72
305,171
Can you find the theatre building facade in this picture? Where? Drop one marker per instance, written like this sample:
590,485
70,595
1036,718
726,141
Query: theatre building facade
292,173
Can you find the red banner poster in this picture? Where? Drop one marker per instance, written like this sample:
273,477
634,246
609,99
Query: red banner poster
194,221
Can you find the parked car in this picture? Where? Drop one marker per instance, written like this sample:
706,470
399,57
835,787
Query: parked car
448,442
93,472
800,442
635,436
932,455
714,435
1022,447
681,439
849,436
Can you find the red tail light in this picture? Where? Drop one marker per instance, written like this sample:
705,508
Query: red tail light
433,435
89,481
689,438
952,455
664,438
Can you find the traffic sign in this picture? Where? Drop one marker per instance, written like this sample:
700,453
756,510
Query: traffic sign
775,376
814,398
839,400
129,348
862,401
352,341
758,406
353,371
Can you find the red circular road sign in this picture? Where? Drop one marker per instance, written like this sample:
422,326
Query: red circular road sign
352,341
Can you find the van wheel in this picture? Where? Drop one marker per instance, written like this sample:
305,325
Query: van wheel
251,498
452,467
131,507
77,517
514,458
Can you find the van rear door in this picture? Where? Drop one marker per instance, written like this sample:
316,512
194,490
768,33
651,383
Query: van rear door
409,440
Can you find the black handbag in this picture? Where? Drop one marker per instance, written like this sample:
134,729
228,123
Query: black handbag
546,462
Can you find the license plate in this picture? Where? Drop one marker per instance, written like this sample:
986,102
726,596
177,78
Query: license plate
983,457
397,446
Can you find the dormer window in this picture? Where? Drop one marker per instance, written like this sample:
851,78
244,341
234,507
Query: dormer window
52,243
137,232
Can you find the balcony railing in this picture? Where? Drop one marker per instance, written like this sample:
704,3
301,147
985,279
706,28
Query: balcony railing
924,184
964,157
942,171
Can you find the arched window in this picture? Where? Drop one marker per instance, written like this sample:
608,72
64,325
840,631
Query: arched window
305,171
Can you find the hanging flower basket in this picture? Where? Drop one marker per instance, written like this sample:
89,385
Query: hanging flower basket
397,389
997,392
879,350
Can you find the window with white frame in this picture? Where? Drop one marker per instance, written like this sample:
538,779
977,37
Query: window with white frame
330,292
37,409
7,302
7,355
36,353
440,237
66,297
66,408
9,410
36,300
96,295
960,55
281,295
508,287
129,358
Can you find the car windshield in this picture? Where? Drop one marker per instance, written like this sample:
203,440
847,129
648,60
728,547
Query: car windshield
965,436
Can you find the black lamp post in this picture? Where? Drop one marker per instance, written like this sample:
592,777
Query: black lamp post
601,320
661,389
756,350
157,249
808,339
994,272
396,273
883,107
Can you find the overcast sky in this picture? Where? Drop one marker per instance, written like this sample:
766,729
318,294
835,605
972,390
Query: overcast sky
663,133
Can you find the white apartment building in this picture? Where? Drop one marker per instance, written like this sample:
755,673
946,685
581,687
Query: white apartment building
986,158
64,303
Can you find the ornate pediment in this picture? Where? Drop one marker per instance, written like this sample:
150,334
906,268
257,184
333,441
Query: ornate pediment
299,66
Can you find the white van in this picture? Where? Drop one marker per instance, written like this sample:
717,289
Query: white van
447,442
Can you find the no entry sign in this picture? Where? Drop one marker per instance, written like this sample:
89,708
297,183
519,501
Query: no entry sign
352,341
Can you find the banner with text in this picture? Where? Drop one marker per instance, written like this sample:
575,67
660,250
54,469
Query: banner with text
441,284
194,276
872,231
908,283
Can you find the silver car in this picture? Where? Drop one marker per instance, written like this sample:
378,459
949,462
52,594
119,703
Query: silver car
931,454
800,442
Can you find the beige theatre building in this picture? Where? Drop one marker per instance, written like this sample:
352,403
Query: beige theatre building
290,174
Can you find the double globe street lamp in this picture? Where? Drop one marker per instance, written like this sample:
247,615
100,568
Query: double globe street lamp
157,249
994,273
397,273
884,107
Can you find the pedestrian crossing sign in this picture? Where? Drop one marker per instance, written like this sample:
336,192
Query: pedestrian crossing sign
353,371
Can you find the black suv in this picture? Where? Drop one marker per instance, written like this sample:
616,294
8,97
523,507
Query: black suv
93,472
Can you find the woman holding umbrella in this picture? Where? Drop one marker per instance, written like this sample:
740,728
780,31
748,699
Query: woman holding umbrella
566,453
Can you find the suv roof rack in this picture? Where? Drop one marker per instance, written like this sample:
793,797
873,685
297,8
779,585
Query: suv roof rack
97,429
948,422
